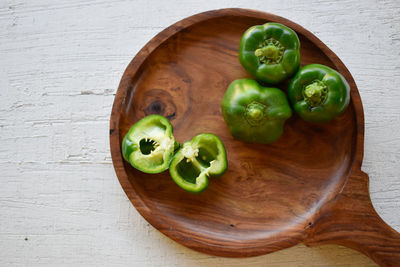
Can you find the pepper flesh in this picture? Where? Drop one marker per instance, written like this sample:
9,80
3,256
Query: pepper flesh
254,113
149,144
319,93
271,52
197,160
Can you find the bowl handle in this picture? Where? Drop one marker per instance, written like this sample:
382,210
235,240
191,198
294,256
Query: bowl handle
350,220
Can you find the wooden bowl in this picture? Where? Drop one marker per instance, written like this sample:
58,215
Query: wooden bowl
306,187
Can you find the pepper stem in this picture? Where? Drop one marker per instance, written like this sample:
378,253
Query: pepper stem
315,93
255,113
269,51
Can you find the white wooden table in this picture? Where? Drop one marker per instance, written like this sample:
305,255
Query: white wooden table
60,64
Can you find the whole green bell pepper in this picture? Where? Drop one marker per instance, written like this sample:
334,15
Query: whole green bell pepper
255,113
197,160
149,144
319,93
271,52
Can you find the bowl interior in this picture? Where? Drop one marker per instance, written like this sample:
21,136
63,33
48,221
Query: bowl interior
267,188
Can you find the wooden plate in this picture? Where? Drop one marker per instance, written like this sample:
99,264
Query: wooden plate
307,187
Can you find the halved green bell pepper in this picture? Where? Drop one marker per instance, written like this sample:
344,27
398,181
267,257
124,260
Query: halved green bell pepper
319,93
197,160
255,113
149,144
271,52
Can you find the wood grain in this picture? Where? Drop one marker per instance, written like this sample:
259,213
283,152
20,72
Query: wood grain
351,220
271,195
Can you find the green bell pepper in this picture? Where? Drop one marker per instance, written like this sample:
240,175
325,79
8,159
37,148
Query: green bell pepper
255,113
197,160
149,144
319,93
271,52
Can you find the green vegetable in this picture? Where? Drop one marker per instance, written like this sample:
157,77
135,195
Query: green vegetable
271,52
319,93
255,113
197,160
149,145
